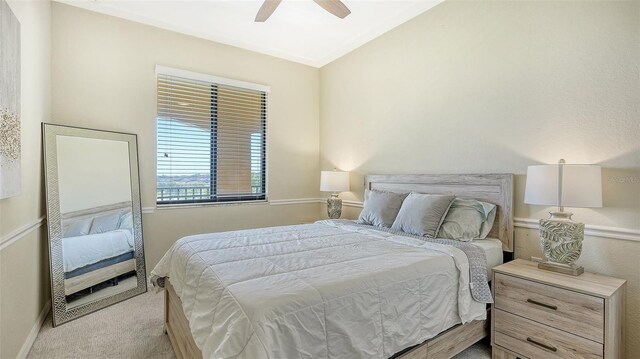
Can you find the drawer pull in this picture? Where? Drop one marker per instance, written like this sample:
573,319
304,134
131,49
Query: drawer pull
552,307
548,347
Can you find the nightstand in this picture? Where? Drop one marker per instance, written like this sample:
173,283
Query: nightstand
543,314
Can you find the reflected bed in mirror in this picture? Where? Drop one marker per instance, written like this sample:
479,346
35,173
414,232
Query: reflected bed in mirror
94,219
98,252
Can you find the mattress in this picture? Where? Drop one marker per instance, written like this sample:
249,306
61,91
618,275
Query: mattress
316,291
81,251
492,250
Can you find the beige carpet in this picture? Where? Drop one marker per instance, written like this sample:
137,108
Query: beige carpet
130,329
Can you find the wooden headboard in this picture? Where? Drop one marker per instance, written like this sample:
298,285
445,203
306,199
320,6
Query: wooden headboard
492,188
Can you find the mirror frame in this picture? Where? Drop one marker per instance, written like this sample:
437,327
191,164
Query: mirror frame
61,313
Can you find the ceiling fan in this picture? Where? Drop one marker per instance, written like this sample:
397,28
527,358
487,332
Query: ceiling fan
336,7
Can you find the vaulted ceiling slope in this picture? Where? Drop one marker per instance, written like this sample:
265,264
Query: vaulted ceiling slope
298,30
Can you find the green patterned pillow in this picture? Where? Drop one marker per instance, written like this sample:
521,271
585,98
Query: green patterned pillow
468,219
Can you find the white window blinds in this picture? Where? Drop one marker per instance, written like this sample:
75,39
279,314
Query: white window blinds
211,139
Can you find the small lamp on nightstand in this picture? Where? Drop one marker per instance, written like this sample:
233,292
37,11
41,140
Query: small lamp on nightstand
335,182
563,185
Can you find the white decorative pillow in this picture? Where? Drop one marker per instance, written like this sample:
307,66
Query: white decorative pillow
105,223
126,221
422,214
468,219
79,227
380,208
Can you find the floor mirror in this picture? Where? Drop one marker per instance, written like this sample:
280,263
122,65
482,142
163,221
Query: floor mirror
94,219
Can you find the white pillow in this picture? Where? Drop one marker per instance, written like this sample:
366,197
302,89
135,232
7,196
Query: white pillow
105,223
126,221
79,227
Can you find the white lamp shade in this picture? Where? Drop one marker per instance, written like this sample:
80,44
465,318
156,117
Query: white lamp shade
564,185
334,181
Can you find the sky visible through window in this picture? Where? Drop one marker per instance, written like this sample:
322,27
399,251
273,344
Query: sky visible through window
184,161
200,147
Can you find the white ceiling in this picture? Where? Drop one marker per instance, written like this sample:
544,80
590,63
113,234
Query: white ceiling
299,30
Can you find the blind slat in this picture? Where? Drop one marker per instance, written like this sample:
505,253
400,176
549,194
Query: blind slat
203,102
170,93
204,121
215,111
199,93
199,85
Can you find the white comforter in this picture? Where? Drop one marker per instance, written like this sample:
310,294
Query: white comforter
81,251
321,290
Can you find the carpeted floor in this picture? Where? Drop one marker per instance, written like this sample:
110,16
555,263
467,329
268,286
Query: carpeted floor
130,329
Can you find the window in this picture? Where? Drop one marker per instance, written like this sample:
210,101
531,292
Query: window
211,139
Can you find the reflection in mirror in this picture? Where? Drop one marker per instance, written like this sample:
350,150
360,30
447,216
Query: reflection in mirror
95,205
96,247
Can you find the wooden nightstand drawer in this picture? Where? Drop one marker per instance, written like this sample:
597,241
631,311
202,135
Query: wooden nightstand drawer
581,317
535,340
573,312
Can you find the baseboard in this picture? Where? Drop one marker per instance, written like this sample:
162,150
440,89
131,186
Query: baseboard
26,347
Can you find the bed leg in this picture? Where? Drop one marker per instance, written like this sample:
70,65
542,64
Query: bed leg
166,310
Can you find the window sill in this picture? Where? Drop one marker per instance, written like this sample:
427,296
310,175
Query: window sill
210,204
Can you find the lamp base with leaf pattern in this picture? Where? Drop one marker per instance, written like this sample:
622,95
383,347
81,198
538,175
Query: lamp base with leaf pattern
334,206
561,242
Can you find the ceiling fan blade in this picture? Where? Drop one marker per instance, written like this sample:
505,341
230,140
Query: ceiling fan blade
267,8
336,7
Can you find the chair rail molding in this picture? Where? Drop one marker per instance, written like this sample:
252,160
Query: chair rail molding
589,230
271,202
281,202
355,204
10,238
627,234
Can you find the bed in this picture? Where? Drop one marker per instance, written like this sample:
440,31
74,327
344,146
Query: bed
92,258
332,288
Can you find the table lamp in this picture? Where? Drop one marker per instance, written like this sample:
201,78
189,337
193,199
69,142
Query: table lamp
563,185
335,182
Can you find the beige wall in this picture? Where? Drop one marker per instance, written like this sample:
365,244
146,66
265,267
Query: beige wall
24,275
103,71
494,87
465,87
